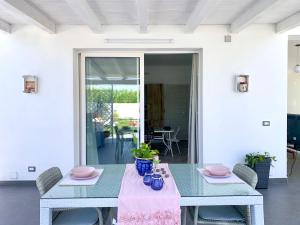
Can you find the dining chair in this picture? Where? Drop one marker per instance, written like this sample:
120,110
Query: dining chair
119,142
123,137
67,216
228,215
175,140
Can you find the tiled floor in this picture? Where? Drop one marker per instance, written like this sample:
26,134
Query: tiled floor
19,204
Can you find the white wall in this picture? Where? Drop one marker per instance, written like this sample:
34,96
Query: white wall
176,101
38,129
293,101
174,74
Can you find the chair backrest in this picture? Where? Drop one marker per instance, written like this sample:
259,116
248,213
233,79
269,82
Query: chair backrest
48,179
176,133
117,132
246,174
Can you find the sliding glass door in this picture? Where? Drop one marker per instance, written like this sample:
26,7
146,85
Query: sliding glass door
111,107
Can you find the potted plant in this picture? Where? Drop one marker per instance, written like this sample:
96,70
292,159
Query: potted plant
106,133
261,164
144,158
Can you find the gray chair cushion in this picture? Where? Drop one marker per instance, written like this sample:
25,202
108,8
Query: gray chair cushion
220,213
84,216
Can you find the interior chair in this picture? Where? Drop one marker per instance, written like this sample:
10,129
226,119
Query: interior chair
67,216
175,140
157,137
121,138
228,215
119,142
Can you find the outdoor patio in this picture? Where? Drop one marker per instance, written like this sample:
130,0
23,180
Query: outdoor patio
92,86
20,202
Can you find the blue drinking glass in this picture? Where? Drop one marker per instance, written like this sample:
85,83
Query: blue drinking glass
148,178
157,182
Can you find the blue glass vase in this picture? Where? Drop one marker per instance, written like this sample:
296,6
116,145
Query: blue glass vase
143,165
148,178
157,182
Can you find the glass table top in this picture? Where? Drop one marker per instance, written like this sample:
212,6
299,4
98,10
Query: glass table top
189,181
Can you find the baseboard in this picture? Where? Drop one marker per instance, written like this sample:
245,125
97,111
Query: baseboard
17,182
278,180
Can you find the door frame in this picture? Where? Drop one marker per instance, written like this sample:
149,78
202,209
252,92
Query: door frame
82,95
79,137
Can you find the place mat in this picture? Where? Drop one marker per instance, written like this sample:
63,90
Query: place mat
233,179
69,181
139,204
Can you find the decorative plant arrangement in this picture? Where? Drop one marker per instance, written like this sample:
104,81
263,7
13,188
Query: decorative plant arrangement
144,152
144,158
261,164
156,161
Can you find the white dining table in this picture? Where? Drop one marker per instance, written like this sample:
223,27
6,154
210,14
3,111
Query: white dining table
167,134
193,189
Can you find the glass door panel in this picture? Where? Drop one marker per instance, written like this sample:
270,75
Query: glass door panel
112,108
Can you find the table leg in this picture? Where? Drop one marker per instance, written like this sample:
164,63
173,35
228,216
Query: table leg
257,214
45,216
183,215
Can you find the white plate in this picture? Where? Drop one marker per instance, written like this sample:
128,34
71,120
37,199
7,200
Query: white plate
206,173
94,174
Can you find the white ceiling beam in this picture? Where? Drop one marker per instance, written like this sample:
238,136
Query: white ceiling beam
250,14
143,15
118,67
288,23
86,13
30,14
4,26
97,67
201,11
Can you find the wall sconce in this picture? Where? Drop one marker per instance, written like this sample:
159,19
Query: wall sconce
242,83
30,84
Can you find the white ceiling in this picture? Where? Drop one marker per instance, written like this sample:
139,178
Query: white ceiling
157,12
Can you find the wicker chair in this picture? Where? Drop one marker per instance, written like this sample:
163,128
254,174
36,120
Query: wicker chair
247,175
67,216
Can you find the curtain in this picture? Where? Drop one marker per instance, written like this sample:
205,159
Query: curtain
193,113
155,105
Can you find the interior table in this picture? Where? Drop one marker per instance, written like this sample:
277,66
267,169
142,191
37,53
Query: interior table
167,134
193,188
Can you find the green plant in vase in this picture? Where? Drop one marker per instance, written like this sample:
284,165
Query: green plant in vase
144,152
261,164
144,156
253,158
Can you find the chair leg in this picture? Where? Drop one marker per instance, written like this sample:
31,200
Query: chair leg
171,149
117,150
100,217
178,148
166,151
122,146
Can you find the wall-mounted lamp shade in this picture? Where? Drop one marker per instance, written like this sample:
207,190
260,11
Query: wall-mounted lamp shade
30,84
297,68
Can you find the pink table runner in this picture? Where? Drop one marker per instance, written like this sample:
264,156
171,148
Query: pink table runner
138,204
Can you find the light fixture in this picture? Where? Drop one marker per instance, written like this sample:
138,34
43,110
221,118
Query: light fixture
297,67
93,78
139,40
114,78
